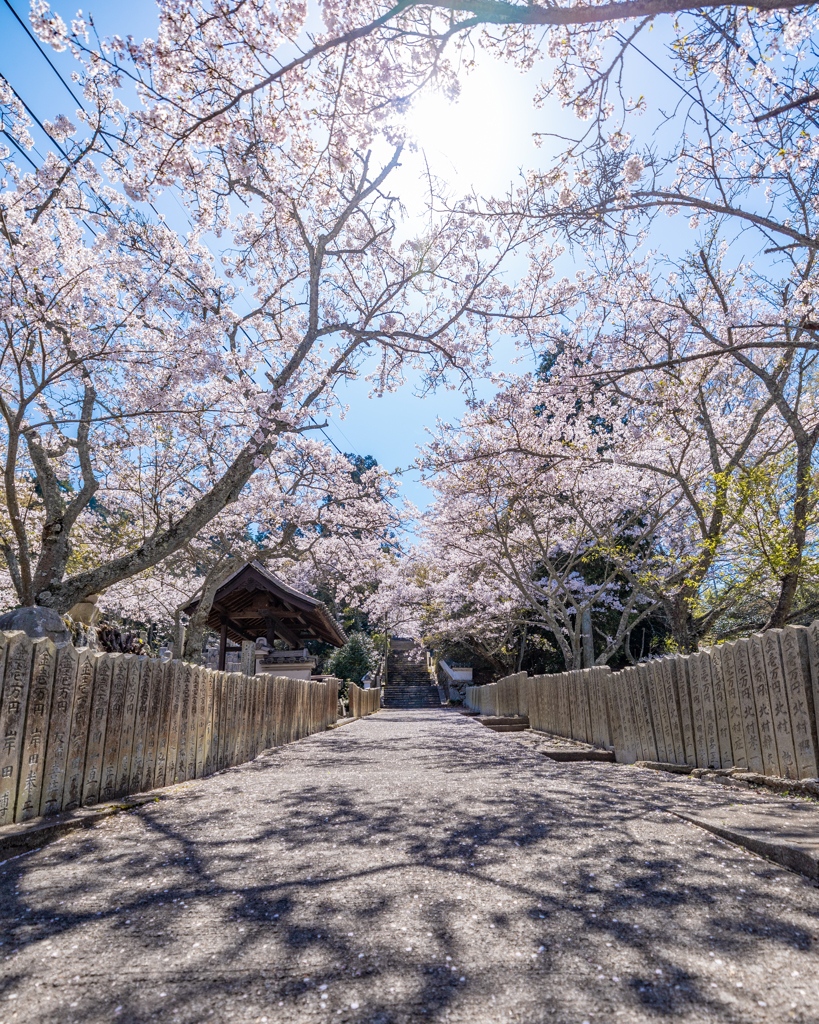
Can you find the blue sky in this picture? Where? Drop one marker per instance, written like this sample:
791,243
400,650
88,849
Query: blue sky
481,142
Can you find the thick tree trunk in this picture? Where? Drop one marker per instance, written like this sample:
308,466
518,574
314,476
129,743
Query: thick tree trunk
799,527
588,639
678,609
522,650
64,595
198,622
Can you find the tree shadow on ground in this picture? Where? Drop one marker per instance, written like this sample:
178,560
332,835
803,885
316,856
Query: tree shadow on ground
363,869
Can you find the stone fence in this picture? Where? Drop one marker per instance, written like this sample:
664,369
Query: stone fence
749,703
78,727
363,702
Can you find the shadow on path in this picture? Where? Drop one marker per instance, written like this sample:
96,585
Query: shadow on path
413,866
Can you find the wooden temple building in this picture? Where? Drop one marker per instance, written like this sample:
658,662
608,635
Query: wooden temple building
254,603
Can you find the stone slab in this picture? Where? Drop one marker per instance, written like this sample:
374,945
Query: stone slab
762,699
175,682
115,713
662,748
92,776
779,703
666,678
634,707
206,755
779,833
679,672
796,663
695,689
78,737
645,698
59,729
16,839
188,770
129,713
35,737
18,654
732,697
665,766
162,708
747,705
183,733
709,709
559,754
140,742
721,711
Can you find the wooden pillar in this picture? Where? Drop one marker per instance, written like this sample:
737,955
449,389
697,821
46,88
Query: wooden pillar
222,647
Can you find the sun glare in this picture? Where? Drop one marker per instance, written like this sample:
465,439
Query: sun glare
475,141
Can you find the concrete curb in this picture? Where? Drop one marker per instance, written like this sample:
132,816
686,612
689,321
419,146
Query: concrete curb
578,755
31,835
665,766
790,854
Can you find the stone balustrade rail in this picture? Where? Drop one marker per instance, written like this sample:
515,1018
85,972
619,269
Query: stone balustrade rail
78,727
749,703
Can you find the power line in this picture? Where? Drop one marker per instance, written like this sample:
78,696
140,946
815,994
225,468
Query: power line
36,42
19,148
36,119
70,91
690,95
151,204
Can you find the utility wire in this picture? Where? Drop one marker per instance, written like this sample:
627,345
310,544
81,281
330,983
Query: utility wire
79,102
19,148
36,119
671,78
27,157
36,42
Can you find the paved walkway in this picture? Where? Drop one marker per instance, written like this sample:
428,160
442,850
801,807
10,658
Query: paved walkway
413,866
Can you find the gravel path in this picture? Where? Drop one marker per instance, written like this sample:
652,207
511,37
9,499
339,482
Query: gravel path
413,866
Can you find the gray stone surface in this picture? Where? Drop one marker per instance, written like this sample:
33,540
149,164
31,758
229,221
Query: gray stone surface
796,666
16,655
35,737
37,622
95,747
764,713
647,695
59,728
414,867
781,834
779,703
725,654
679,670
747,702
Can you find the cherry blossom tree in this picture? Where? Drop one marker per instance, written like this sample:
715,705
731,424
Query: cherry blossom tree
586,493
135,355
517,504
306,507
739,159
680,329
278,148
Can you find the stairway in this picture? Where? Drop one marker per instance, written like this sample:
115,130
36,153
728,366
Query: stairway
409,685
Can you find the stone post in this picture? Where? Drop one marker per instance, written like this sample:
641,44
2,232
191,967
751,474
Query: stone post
248,658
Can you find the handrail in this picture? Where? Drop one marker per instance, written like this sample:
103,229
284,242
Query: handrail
451,671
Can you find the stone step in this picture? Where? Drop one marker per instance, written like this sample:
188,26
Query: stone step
428,699
516,723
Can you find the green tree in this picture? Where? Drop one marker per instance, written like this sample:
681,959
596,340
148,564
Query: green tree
355,659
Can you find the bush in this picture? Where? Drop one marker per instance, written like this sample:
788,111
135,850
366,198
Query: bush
355,659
